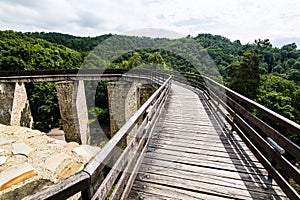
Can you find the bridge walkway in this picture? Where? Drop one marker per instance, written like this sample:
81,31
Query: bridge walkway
191,156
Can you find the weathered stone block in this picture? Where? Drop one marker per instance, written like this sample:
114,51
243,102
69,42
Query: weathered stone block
70,169
54,161
3,160
22,149
86,151
15,174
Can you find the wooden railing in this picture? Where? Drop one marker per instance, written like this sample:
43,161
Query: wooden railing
79,74
275,151
271,147
112,171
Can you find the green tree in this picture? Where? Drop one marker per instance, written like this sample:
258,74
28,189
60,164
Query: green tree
244,76
19,51
44,105
276,93
135,61
157,61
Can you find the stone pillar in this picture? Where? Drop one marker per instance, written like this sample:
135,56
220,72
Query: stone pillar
73,111
123,103
144,92
14,105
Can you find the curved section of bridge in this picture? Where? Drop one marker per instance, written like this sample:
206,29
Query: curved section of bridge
192,156
190,140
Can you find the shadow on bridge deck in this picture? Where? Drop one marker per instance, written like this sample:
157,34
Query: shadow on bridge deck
192,155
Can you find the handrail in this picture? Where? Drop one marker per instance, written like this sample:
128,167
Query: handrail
289,124
124,169
249,127
282,140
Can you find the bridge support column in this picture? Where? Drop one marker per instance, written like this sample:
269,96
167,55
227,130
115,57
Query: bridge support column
123,103
124,99
14,105
145,91
73,111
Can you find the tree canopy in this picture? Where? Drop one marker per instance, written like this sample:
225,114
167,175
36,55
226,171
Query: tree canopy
266,74
19,51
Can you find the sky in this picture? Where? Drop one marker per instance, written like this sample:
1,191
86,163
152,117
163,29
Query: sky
244,20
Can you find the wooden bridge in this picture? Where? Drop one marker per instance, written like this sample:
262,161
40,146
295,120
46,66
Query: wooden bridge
193,139
191,157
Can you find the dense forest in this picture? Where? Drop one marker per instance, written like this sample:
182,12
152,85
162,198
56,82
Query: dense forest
266,74
19,51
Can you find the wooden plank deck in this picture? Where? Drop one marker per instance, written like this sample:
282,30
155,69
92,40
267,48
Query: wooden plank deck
191,157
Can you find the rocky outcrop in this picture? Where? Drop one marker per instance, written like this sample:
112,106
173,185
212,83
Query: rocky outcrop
30,160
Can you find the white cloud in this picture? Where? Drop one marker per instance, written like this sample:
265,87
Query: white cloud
237,19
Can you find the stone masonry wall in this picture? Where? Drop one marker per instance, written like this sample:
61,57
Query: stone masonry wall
6,102
14,105
30,160
145,91
125,98
117,96
21,114
73,111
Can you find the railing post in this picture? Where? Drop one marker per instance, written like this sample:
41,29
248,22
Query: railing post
86,194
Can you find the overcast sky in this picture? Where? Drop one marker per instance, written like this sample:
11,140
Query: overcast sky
277,20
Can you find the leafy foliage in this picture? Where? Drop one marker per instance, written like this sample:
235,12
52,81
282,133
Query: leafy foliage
22,52
275,93
243,77
44,105
81,44
269,75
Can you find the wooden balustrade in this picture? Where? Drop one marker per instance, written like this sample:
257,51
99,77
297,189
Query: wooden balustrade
255,132
92,181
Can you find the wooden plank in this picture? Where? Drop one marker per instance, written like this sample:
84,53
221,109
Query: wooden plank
165,165
216,146
201,153
236,180
193,152
182,135
64,188
203,163
231,145
197,186
137,195
209,156
197,135
196,131
202,141
189,154
147,190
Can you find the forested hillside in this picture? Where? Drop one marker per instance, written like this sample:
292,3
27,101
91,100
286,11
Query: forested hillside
22,52
81,44
19,51
266,74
